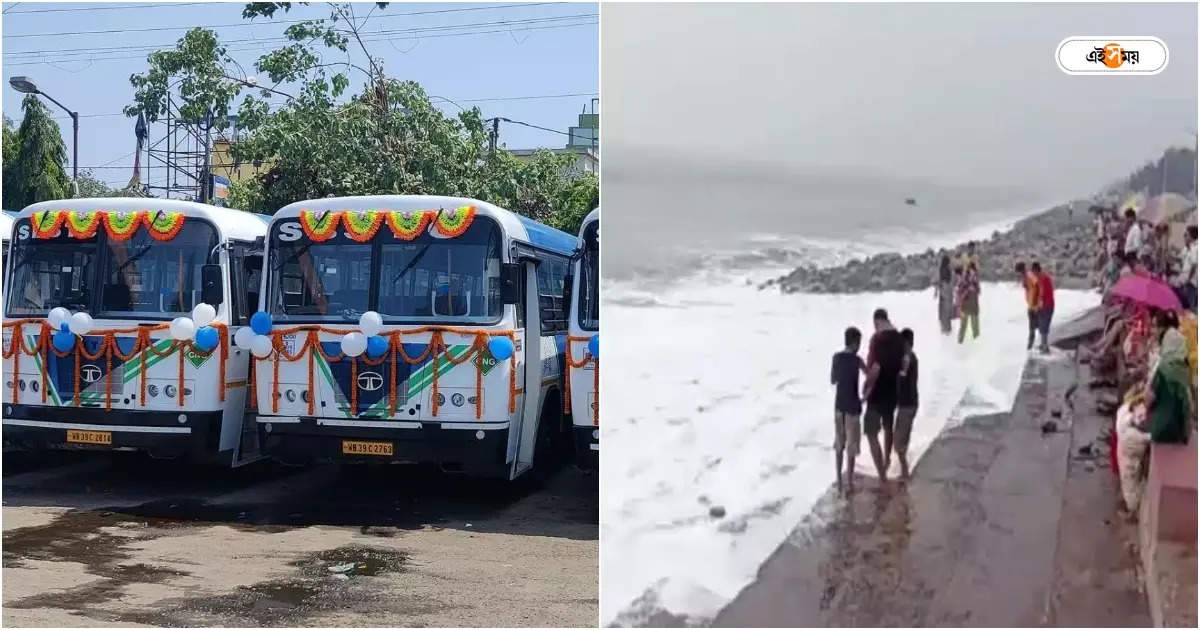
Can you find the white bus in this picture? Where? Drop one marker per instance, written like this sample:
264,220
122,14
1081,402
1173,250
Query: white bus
583,340
117,324
413,329
6,222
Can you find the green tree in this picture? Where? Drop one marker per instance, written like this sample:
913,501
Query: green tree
36,171
386,138
91,187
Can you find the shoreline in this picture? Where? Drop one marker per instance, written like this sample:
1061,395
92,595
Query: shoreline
989,531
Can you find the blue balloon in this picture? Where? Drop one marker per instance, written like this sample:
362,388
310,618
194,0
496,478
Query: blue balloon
594,345
500,347
207,338
63,341
64,327
260,323
376,347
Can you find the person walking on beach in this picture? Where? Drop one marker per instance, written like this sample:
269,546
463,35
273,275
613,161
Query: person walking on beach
968,290
1046,298
847,407
1033,304
884,355
906,401
944,292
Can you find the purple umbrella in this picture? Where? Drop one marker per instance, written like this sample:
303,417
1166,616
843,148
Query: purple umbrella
1147,291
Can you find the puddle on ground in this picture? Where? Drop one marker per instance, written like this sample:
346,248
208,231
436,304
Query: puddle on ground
352,560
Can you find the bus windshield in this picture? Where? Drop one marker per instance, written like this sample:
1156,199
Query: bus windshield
138,278
424,280
589,279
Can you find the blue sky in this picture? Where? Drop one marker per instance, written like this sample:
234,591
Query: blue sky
533,50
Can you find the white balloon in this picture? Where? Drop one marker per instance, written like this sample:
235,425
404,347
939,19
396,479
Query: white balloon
182,328
80,323
203,314
57,317
354,344
243,338
370,323
261,346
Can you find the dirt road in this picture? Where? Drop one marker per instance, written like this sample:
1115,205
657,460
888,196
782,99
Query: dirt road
92,541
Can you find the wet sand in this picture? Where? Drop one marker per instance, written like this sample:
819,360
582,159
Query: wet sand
999,526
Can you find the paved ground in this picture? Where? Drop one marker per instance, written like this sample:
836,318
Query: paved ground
981,536
91,541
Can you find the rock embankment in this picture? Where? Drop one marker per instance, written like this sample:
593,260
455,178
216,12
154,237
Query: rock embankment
1061,239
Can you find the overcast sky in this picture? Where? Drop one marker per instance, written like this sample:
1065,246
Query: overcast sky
963,94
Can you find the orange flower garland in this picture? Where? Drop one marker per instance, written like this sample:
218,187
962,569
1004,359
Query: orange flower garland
108,348
163,226
319,228
455,222
572,363
362,226
408,225
83,225
47,223
433,349
120,226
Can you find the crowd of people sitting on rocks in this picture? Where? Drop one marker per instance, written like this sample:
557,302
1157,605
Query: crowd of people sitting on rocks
1147,348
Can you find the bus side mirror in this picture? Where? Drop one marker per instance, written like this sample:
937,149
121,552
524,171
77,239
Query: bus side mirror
510,283
212,290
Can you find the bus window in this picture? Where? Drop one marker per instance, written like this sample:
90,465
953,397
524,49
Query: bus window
328,279
143,278
551,275
52,272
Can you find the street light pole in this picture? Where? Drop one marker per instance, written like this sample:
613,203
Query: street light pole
25,85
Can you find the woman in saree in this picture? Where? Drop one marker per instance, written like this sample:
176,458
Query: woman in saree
1168,391
944,292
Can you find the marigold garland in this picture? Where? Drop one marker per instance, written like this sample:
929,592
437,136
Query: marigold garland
407,226
120,226
434,348
109,347
362,226
47,223
319,228
572,363
453,223
163,226
83,225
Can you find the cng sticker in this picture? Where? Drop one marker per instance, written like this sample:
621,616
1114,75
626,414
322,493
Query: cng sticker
197,359
486,363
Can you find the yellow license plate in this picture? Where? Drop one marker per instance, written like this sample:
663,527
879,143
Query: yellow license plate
366,448
90,437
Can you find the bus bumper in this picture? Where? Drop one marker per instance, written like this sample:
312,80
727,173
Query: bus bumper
159,433
475,451
587,447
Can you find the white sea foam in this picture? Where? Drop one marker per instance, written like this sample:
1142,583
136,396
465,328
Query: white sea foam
725,400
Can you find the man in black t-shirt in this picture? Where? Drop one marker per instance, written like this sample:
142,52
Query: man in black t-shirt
847,407
906,401
883,371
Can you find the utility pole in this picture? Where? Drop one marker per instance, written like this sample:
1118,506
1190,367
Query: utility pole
494,136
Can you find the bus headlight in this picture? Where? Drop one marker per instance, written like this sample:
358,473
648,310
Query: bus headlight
152,389
441,399
21,384
170,391
473,400
304,395
457,400
8,384
33,385
290,395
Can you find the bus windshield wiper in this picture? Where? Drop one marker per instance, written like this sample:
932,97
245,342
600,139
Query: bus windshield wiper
412,263
293,257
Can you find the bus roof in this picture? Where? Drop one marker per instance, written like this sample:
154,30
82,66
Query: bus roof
232,223
519,227
592,216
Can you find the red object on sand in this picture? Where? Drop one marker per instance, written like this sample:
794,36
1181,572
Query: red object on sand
1146,291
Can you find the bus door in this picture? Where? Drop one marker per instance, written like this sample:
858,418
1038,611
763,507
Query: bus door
532,374
245,273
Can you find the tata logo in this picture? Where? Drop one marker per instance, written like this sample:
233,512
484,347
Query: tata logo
370,381
89,373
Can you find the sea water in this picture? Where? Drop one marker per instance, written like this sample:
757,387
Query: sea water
725,400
